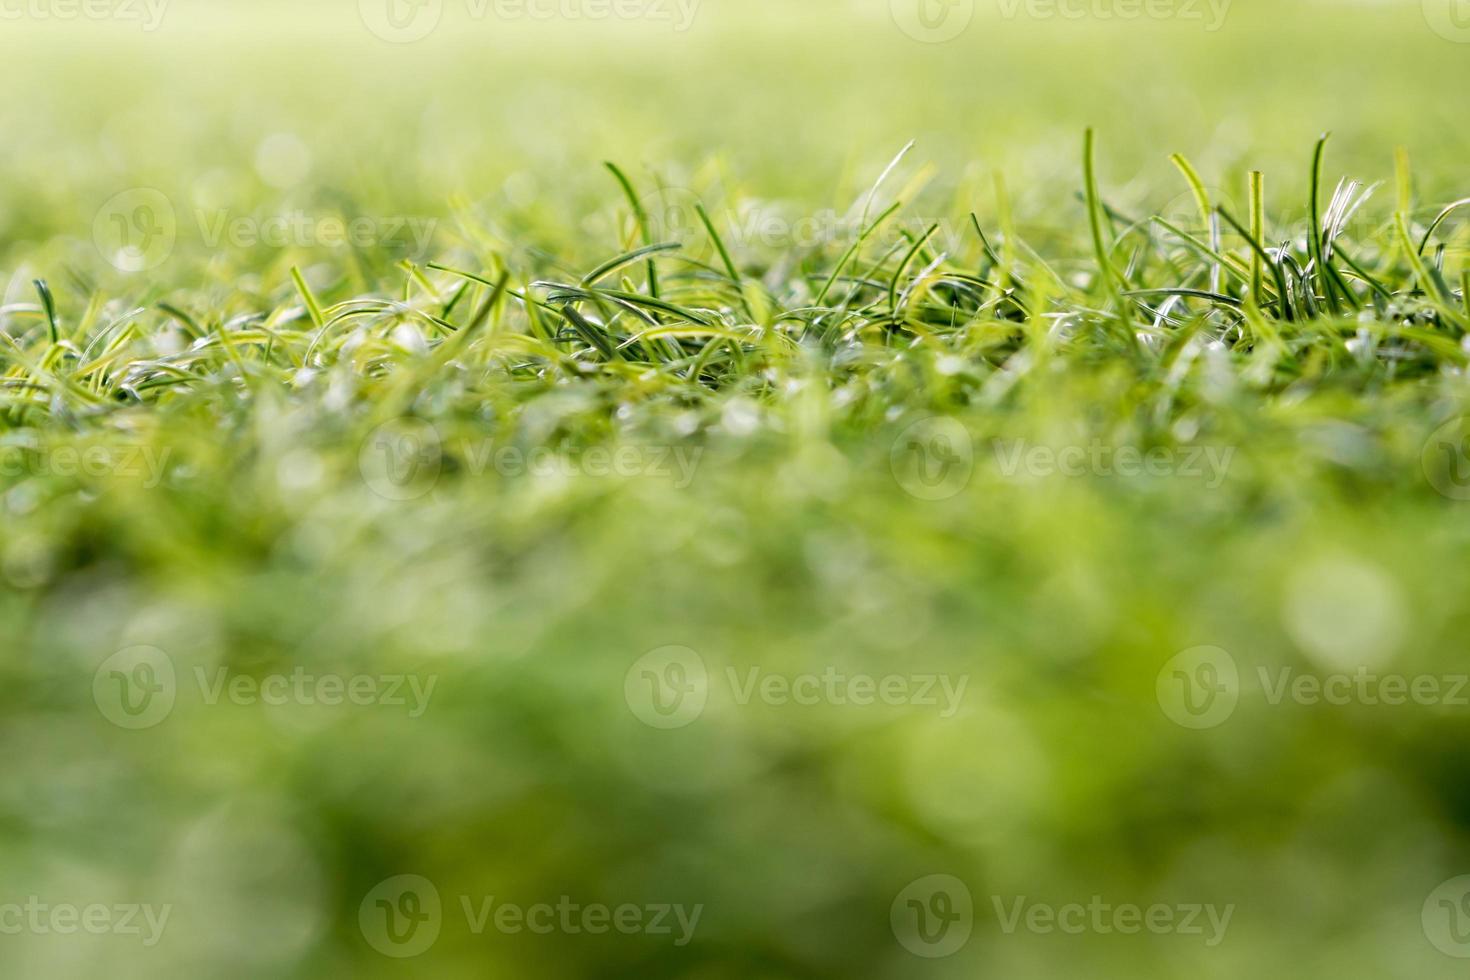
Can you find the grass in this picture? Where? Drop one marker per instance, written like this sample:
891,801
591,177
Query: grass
1037,437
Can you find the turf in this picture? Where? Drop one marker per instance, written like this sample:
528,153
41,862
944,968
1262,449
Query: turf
1035,439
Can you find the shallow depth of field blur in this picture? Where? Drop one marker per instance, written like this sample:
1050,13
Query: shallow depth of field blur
657,678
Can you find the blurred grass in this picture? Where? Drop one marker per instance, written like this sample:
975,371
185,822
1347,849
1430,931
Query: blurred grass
528,598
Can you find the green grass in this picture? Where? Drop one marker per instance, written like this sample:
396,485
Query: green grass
1030,413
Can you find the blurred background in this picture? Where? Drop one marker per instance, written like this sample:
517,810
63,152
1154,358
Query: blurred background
271,716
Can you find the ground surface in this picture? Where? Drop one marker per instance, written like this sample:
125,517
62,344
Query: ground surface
754,530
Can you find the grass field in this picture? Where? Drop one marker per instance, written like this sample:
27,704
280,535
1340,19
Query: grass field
735,489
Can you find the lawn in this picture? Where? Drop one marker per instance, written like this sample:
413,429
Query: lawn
735,489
